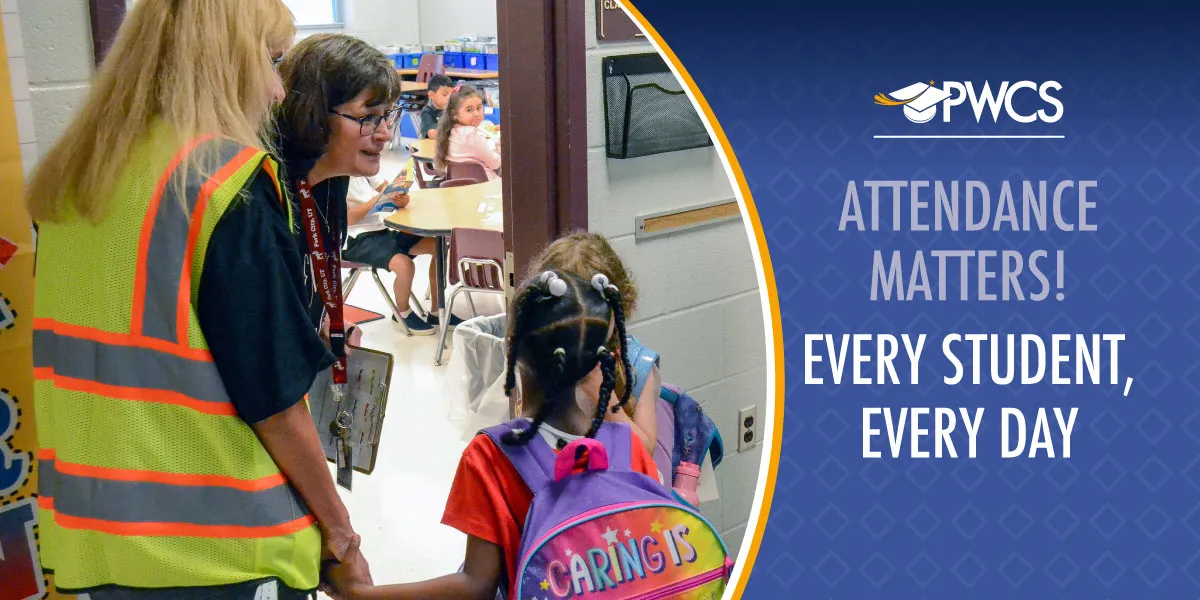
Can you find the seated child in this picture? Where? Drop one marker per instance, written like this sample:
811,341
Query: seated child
561,359
387,249
440,88
461,139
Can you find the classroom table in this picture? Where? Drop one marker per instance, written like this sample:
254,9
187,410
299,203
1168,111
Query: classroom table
413,86
423,149
435,212
459,73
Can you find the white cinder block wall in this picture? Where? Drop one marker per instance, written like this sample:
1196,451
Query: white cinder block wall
378,22
699,296
50,55
442,20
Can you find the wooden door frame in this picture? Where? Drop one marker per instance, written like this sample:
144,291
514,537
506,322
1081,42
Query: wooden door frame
543,94
106,20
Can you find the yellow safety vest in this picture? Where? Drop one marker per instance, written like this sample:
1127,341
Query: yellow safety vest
147,476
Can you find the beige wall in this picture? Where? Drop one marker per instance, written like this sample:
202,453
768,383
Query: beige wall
700,303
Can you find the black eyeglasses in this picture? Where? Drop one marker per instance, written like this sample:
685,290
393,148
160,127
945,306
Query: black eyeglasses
369,124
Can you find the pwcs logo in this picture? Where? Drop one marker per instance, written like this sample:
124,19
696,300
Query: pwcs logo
920,100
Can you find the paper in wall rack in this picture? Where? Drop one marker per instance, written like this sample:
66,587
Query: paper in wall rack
646,110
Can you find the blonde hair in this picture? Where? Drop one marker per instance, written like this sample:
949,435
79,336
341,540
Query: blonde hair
197,66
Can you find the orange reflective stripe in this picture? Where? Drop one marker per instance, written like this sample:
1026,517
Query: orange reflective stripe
184,301
121,339
182,529
139,276
133,393
181,479
269,167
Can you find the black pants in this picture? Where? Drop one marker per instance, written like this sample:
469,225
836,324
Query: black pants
241,591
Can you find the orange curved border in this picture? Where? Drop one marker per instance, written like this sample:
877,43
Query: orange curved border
767,491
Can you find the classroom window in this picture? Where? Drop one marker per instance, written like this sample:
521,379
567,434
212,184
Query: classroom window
315,13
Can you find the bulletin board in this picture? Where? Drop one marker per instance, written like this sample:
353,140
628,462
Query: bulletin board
20,569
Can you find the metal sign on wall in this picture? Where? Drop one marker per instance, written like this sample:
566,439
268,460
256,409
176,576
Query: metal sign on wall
613,25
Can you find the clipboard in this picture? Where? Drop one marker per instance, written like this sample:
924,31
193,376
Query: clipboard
368,385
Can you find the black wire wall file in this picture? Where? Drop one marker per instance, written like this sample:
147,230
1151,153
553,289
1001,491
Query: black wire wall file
646,110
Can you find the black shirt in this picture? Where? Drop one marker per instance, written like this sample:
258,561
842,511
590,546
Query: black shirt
429,120
330,197
254,306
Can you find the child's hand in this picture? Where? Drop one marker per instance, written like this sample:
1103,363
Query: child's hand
397,199
345,580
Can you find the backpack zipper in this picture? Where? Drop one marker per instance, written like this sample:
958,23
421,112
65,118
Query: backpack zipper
682,586
613,508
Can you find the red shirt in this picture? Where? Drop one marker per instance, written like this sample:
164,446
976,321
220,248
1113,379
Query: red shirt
489,500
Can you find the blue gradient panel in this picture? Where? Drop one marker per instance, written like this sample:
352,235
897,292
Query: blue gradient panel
793,85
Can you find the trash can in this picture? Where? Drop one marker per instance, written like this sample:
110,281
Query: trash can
476,372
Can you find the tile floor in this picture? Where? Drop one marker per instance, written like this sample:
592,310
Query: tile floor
398,508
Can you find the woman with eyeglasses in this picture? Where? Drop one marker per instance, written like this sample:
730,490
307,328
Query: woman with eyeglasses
172,350
339,114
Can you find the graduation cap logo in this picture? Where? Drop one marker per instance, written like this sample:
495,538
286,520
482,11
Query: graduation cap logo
919,100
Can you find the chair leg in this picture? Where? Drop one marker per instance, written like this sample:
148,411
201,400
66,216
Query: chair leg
387,296
471,305
416,305
445,327
348,284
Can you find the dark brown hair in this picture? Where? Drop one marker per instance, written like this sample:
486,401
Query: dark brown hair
447,123
324,71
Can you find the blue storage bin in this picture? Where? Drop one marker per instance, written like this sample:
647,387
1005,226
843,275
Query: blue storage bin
407,129
453,60
491,62
473,60
410,61
397,59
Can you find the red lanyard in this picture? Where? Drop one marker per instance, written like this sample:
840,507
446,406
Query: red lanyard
327,268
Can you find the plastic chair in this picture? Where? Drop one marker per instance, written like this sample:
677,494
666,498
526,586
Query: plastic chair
430,65
356,269
457,183
478,259
466,170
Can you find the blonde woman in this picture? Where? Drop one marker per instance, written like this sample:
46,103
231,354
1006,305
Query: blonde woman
177,457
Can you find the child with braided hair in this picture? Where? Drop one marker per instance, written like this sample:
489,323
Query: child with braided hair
583,252
561,362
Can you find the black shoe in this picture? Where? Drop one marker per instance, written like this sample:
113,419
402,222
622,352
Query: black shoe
418,326
433,319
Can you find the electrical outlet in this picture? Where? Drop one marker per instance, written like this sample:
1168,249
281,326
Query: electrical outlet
749,429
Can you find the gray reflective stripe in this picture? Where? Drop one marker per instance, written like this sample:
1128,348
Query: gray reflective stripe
46,477
168,240
147,502
127,366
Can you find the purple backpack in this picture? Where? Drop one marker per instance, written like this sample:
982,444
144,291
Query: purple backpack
608,532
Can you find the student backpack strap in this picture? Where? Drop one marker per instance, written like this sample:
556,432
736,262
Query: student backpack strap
618,444
534,460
